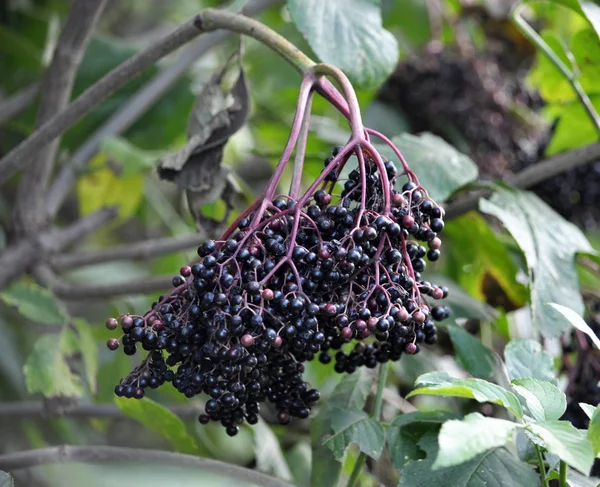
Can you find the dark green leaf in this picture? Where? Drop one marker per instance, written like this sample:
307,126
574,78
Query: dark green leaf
439,166
269,457
498,468
6,480
593,433
348,34
47,370
577,321
462,440
564,440
441,384
159,419
527,358
89,353
471,354
545,401
355,426
549,243
35,303
351,392
404,433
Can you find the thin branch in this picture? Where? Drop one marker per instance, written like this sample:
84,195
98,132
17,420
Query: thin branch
18,258
70,291
207,20
56,90
136,251
18,102
135,107
530,176
104,454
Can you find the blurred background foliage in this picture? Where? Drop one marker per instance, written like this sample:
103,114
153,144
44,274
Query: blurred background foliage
464,73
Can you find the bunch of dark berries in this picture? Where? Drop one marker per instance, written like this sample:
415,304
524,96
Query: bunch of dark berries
294,278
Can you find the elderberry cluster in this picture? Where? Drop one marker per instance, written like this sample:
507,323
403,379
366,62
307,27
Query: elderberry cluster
295,279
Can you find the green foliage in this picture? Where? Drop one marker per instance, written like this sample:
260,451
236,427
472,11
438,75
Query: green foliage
549,250
159,419
349,35
544,400
589,9
89,353
593,433
526,358
35,303
355,426
577,322
269,457
6,480
471,354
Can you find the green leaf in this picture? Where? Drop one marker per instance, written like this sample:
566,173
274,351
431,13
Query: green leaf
355,426
351,392
577,321
574,129
549,249
6,480
471,354
35,303
348,34
545,401
133,160
47,370
269,458
299,459
497,467
593,432
406,430
588,409
564,440
159,419
462,440
441,384
588,8
439,166
488,259
527,358
89,353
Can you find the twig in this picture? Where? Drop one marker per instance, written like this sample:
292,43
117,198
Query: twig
18,102
17,259
56,89
530,176
102,454
570,75
207,20
69,291
135,107
136,251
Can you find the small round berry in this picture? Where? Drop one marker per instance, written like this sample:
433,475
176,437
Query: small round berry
277,342
185,271
232,430
419,317
437,293
397,200
434,243
126,322
408,221
267,294
138,393
204,418
111,324
347,333
247,340
112,344
283,417
410,348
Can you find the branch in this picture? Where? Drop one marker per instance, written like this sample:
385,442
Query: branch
104,454
136,251
205,21
135,107
18,258
56,92
530,176
69,291
18,102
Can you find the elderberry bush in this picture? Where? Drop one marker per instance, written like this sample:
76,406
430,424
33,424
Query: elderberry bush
295,278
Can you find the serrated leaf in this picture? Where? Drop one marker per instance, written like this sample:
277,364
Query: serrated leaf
404,433
47,370
35,303
269,457
355,426
526,358
348,34
6,480
564,440
439,166
159,419
549,250
441,384
89,353
577,321
588,409
462,440
471,354
593,432
545,401
351,392
497,467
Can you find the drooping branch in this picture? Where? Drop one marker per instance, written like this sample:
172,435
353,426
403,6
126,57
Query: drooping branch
205,21
136,106
103,454
56,89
